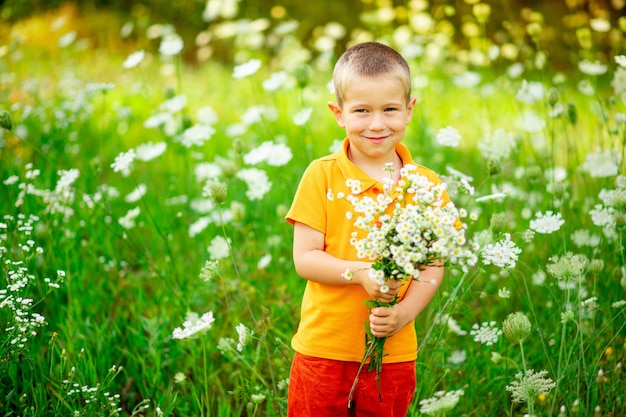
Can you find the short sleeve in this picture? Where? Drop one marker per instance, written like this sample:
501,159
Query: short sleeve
310,203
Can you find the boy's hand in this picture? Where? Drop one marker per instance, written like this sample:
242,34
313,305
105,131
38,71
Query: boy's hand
387,321
374,289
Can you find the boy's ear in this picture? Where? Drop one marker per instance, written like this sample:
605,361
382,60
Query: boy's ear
410,108
337,112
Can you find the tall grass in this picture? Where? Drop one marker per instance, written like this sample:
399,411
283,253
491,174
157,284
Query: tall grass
103,260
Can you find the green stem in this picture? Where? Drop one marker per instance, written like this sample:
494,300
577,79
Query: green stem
559,365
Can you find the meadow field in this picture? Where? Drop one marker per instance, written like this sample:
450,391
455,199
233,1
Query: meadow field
145,261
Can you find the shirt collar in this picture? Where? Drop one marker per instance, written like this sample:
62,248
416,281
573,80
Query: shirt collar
350,170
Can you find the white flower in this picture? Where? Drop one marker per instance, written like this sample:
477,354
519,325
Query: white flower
174,104
487,333
194,325
67,39
150,150
66,179
275,81
454,327
196,135
252,115
621,60
11,180
531,122
264,261
603,216
448,136
441,403
529,384
592,68
257,398
503,253
246,69
497,145
209,270
207,115
499,197
530,92
547,223
602,164
123,162
257,182
270,152
207,170
457,357
244,335
134,59
136,194
302,116
219,248
199,225
128,221
157,120
171,45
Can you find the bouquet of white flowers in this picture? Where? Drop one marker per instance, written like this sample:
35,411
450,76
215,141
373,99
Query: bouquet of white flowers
417,228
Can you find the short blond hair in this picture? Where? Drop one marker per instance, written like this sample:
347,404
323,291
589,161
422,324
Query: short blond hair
370,59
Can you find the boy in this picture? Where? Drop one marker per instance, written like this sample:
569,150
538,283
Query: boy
374,105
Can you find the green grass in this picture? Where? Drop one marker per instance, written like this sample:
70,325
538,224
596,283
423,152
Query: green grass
107,346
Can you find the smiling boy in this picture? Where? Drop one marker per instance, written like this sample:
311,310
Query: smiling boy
374,106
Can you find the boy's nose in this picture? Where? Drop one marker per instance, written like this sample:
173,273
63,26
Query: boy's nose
377,122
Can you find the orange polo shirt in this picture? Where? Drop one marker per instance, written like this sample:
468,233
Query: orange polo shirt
332,322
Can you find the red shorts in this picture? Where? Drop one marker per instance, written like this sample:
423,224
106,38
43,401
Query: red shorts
320,388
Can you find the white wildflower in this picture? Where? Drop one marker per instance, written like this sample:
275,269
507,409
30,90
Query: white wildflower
123,162
257,182
448,136
128,221
219,248
171,45
274,154
194,325
246,69
302,116
487,333
547,223
150,150
134,59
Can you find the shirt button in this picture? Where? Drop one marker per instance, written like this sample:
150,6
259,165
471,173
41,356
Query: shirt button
376,190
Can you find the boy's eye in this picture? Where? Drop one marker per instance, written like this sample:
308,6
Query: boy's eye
360,110
391,109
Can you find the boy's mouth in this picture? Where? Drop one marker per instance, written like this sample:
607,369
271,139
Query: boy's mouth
376,139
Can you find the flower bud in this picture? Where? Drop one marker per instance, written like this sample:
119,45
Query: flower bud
558,189
6,122
238,210
553,97
217,191
597,265
516,327
493,167
498,222
572,114
303,75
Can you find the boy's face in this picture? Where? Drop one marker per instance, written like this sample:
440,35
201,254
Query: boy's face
375,114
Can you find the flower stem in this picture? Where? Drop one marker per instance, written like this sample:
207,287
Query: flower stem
371,346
